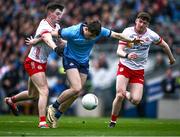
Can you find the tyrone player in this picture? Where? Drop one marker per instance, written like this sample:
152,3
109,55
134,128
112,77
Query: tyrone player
132,62
35,64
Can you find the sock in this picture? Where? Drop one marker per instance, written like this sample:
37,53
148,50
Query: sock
113,118
58,114
56,105
42,119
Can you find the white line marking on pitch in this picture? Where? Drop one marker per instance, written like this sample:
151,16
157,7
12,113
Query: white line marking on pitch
16,121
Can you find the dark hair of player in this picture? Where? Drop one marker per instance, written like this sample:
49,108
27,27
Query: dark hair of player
94,27
53,6
144,16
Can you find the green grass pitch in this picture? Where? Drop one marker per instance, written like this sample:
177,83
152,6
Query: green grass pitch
80,126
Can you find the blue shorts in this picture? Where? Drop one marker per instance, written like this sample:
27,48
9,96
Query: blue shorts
69,63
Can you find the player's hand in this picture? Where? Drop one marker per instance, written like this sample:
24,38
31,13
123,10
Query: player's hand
130,45
172,61
59,50
30,41
132,55
137,41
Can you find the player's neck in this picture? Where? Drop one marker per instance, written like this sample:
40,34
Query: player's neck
141,32
50,22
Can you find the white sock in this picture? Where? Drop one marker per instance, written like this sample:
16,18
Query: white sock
42,123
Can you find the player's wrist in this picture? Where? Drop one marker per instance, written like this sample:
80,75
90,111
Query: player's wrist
126,56
59,50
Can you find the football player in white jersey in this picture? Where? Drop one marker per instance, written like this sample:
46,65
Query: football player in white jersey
132,62
35,64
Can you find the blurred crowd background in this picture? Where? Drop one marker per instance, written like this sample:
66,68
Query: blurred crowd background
20,18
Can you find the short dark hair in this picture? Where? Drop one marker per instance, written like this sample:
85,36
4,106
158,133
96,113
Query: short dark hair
144,16
94,27
53,6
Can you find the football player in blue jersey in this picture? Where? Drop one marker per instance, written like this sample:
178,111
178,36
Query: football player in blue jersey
80,40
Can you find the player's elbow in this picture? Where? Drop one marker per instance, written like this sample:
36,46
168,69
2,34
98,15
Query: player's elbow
43,37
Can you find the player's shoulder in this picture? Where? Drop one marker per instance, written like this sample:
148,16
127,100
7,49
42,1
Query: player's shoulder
43,22
151,32
77,26
128,30
75,29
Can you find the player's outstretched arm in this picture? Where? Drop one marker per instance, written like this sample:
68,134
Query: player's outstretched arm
47,38
122,37
32,41
167,50
121,53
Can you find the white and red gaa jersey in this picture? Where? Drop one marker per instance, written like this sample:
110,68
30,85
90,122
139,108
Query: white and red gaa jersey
41,50
142,50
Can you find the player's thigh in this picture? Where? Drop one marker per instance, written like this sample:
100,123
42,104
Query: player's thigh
121,83
83,78
74,78
136,90
40,82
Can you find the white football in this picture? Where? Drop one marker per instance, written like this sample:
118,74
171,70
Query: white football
89,101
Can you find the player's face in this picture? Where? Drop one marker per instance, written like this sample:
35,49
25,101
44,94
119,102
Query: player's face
141,25
56,16
88,34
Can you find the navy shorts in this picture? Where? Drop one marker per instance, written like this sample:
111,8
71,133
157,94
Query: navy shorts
69,63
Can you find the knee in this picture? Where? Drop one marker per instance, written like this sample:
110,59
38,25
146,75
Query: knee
119,94
135,101
33,95
77,89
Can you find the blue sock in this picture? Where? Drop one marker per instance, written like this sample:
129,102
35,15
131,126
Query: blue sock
58,114
56,105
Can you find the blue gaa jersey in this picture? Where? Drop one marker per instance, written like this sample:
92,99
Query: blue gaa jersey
78,47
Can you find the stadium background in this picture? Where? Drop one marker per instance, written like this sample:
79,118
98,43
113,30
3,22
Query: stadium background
19,19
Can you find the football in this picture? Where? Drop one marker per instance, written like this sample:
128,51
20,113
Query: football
89,101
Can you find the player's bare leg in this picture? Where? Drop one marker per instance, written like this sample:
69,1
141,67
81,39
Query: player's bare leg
74,79
136,92
121,84
39,80
57,109
31,93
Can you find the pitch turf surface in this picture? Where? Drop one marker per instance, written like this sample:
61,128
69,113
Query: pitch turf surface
78,126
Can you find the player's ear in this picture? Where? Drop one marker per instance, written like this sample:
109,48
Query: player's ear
136,21
86,28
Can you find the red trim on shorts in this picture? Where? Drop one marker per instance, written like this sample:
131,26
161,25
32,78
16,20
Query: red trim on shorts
32,67
134,76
